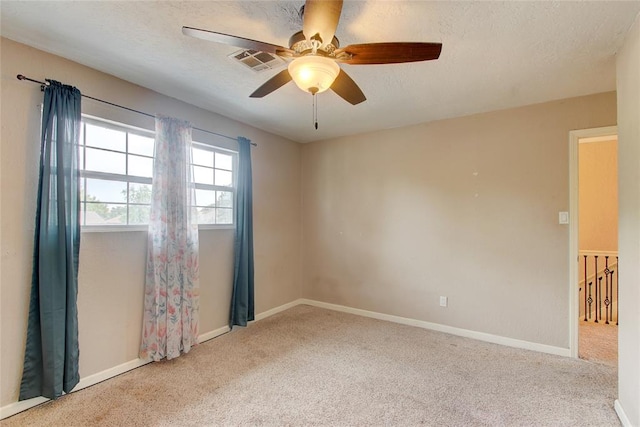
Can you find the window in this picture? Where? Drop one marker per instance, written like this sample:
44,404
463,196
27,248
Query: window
213,173
116,163
116,166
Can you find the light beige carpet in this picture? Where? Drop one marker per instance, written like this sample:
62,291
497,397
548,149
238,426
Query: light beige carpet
598,342
309,366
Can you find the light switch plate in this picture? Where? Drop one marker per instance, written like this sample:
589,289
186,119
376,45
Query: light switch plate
563,217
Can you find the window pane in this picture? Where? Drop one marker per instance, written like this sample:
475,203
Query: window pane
81,141
82,185
106,214
202,157
205,198
139,193
100,190
139,214
106,138
202,175
224,178
105,161
224,216
206,216
140,166
224,161
224,199
81,158
139,144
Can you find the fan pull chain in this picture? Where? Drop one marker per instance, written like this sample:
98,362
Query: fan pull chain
314,108
315,111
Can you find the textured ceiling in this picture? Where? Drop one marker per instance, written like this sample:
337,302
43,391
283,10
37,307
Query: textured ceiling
495,55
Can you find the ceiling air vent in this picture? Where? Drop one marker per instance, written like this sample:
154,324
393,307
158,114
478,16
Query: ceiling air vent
256,60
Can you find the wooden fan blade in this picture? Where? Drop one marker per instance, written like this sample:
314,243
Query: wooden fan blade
347,89
275,82
236,41
321,17
388,53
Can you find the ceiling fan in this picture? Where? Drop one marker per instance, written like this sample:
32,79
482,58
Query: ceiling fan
315,53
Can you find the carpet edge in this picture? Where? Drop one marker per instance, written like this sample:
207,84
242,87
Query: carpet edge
481,336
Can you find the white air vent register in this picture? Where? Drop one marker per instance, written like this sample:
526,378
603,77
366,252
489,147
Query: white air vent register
256,60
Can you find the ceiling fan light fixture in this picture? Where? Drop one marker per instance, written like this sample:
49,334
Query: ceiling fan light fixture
313,74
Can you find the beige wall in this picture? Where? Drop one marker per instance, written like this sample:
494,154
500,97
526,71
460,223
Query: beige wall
628,85
465,208
112,264
598,196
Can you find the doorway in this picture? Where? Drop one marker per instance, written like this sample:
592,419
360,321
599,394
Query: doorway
593,244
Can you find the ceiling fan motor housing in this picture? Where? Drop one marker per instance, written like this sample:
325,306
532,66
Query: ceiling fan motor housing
302,46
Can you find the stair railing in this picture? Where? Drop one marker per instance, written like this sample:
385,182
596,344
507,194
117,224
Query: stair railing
600,286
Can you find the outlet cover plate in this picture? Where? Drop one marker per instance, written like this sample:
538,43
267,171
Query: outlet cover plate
563,217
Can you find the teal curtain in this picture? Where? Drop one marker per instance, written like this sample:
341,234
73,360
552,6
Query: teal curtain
242,304
51,354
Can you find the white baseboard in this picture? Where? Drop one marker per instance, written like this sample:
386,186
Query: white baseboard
624,420
17,407
277,310
109,373
211,335
495,339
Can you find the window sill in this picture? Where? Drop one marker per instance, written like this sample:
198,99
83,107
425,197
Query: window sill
144,228
216,227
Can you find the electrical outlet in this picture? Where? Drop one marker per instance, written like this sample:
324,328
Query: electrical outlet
443,301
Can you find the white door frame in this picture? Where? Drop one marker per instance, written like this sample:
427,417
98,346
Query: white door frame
574,140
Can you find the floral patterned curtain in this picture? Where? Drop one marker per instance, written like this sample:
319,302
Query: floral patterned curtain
172,280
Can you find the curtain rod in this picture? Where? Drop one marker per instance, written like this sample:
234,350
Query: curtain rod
46,83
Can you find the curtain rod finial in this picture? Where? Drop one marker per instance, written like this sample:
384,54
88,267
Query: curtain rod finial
43,84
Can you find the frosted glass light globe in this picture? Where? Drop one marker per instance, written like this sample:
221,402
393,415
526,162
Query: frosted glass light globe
314,74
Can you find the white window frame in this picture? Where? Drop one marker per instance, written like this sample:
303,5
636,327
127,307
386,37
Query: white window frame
141,180
232,189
